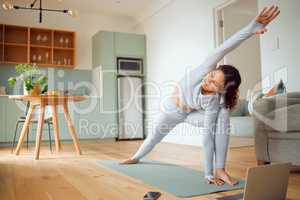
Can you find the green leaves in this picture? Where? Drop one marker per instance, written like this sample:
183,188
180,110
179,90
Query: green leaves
21,68
41,80
28,84
44,89
11,81
31,76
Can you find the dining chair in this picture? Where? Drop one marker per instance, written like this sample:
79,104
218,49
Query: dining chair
35,117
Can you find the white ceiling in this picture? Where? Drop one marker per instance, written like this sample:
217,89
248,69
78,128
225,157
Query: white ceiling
126,8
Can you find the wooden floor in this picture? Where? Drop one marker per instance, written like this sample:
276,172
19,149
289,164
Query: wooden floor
66,176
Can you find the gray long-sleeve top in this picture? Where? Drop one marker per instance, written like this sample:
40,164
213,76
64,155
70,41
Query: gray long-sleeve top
190,84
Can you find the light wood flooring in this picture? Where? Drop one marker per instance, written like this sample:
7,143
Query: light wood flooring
64,175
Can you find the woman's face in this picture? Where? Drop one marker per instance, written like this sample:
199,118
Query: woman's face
214,81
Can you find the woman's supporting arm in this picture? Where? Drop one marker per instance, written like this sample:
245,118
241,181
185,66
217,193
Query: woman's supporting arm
211,110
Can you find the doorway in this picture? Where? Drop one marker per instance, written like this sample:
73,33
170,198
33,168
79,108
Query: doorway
230,17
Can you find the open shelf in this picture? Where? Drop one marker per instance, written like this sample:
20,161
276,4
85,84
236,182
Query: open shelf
15,44
1,52
62,57
1,33
40,46
45,47
40,37
1,42
64,48
15,54
63,39
40,55
15,34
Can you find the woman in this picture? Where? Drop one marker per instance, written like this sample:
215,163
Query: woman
208,92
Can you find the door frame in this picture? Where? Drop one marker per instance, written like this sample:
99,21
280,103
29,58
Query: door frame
218,15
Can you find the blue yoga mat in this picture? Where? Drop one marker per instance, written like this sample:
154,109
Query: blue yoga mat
177,180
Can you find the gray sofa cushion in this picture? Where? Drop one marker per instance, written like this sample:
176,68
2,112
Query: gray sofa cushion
267,104
241,109
285,119
242,126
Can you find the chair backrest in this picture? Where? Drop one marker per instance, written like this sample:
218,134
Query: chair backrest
27,108
48,112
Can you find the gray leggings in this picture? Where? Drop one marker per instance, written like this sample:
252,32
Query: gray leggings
215,145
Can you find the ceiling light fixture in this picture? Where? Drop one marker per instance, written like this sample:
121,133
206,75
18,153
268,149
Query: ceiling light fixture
8,5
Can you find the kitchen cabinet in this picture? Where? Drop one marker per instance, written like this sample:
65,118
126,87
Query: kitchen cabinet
107,46
2,119
130,45
44,47
103,51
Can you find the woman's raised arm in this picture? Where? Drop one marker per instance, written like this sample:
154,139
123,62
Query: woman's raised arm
256,26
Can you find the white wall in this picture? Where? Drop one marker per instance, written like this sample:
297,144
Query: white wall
85,25
282,62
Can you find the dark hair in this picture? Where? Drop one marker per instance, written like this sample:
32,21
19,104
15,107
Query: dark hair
231,84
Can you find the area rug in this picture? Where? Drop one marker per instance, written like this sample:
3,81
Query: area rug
177,180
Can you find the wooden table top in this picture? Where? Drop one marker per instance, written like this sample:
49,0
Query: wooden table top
47,97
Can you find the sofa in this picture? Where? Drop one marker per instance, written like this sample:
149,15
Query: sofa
241,123
277,128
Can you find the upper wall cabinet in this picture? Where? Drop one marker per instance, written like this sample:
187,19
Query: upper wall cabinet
103,49
1,42
107,46
130,45
44,47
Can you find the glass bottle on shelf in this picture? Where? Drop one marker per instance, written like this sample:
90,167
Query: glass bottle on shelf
67,42
38,38
65,61
47,57
40,58
33,58
61,41
45,39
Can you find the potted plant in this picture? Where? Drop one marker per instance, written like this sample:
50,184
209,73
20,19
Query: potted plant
34,81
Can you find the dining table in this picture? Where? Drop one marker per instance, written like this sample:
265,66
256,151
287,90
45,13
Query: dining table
53,101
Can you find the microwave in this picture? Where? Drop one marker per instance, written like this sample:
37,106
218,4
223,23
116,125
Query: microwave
130,66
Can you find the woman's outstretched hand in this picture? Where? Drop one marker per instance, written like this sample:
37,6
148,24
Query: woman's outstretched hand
267,15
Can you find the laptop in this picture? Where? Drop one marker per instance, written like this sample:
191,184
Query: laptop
264,182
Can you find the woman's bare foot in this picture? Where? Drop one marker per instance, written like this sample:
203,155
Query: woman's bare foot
223,175
214,180
129,162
